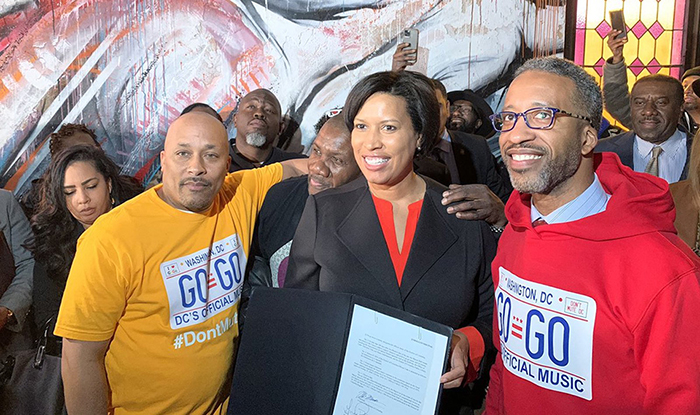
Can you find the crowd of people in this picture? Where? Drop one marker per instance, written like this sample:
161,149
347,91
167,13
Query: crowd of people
400,187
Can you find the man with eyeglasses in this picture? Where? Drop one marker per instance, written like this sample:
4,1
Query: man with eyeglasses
597,298
655,145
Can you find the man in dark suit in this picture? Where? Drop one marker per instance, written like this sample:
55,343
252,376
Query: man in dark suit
483,190
655,145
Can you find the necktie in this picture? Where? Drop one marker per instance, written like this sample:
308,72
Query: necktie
653,166
539,222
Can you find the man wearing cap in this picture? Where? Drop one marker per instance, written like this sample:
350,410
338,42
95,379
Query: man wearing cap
469,113
616,92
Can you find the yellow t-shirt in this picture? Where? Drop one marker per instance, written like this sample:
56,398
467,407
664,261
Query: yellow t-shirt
164,286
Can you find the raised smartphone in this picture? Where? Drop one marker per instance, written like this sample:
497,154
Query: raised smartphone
410,36
618,22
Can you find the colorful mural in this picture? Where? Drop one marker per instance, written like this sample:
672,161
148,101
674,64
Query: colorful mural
127,67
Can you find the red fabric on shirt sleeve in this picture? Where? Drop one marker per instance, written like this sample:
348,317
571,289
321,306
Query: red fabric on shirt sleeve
476,351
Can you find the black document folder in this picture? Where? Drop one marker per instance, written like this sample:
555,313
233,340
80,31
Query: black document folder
292,350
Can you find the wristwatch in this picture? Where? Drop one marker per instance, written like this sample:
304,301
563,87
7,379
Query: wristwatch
497,230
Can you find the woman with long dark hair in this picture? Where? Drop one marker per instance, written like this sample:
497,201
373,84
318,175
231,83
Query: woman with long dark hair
81,185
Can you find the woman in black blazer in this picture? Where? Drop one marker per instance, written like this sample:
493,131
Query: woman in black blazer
386,236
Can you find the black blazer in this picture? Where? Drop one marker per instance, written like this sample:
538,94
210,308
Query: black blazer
623,146
339,246
477,165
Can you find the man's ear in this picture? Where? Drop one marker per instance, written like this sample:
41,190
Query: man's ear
478,124
283,124
589,140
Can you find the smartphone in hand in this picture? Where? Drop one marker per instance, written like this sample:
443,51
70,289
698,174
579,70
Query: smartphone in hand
410,36
618,23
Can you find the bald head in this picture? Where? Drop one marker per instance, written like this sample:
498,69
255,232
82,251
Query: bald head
331,162
194,161
196,123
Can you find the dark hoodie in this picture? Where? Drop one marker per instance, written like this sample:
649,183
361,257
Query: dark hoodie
599,315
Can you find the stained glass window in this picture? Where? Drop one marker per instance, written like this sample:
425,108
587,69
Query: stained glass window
655,36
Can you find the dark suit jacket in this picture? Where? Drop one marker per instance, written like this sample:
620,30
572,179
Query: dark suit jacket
477,165
623,146
339,246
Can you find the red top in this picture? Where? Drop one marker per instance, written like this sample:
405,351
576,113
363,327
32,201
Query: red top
385,212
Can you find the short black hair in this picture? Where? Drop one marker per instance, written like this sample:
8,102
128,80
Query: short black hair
206,108
587,96
675,86
321,122
415,88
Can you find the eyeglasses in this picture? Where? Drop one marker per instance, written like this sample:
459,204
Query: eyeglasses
335,111
539,118
461,108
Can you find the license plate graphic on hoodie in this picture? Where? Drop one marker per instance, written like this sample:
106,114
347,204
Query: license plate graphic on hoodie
546,334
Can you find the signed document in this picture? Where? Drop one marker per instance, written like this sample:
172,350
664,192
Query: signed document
391,366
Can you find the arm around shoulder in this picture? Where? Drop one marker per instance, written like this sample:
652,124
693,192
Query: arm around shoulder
294,167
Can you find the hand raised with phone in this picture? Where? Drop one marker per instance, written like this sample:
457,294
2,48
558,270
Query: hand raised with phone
403,57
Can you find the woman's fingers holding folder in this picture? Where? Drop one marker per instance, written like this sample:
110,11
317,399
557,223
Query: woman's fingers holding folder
459,355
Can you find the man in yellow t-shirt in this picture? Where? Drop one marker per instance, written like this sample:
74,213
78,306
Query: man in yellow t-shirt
149,314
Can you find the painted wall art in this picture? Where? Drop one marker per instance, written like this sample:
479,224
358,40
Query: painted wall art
126,68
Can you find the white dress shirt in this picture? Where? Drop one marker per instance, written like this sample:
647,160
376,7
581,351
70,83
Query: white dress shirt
671,160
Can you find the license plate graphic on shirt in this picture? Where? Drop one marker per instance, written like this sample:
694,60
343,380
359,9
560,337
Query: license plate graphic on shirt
546,334
205,283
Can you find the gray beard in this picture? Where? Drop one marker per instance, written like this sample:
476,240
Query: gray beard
552,174
256,139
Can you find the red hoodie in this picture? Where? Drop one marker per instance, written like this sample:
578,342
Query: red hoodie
599,315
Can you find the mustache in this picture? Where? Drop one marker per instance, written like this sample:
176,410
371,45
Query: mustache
523,146
195,180
320,180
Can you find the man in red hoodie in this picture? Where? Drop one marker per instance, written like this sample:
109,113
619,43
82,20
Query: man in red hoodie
598,300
